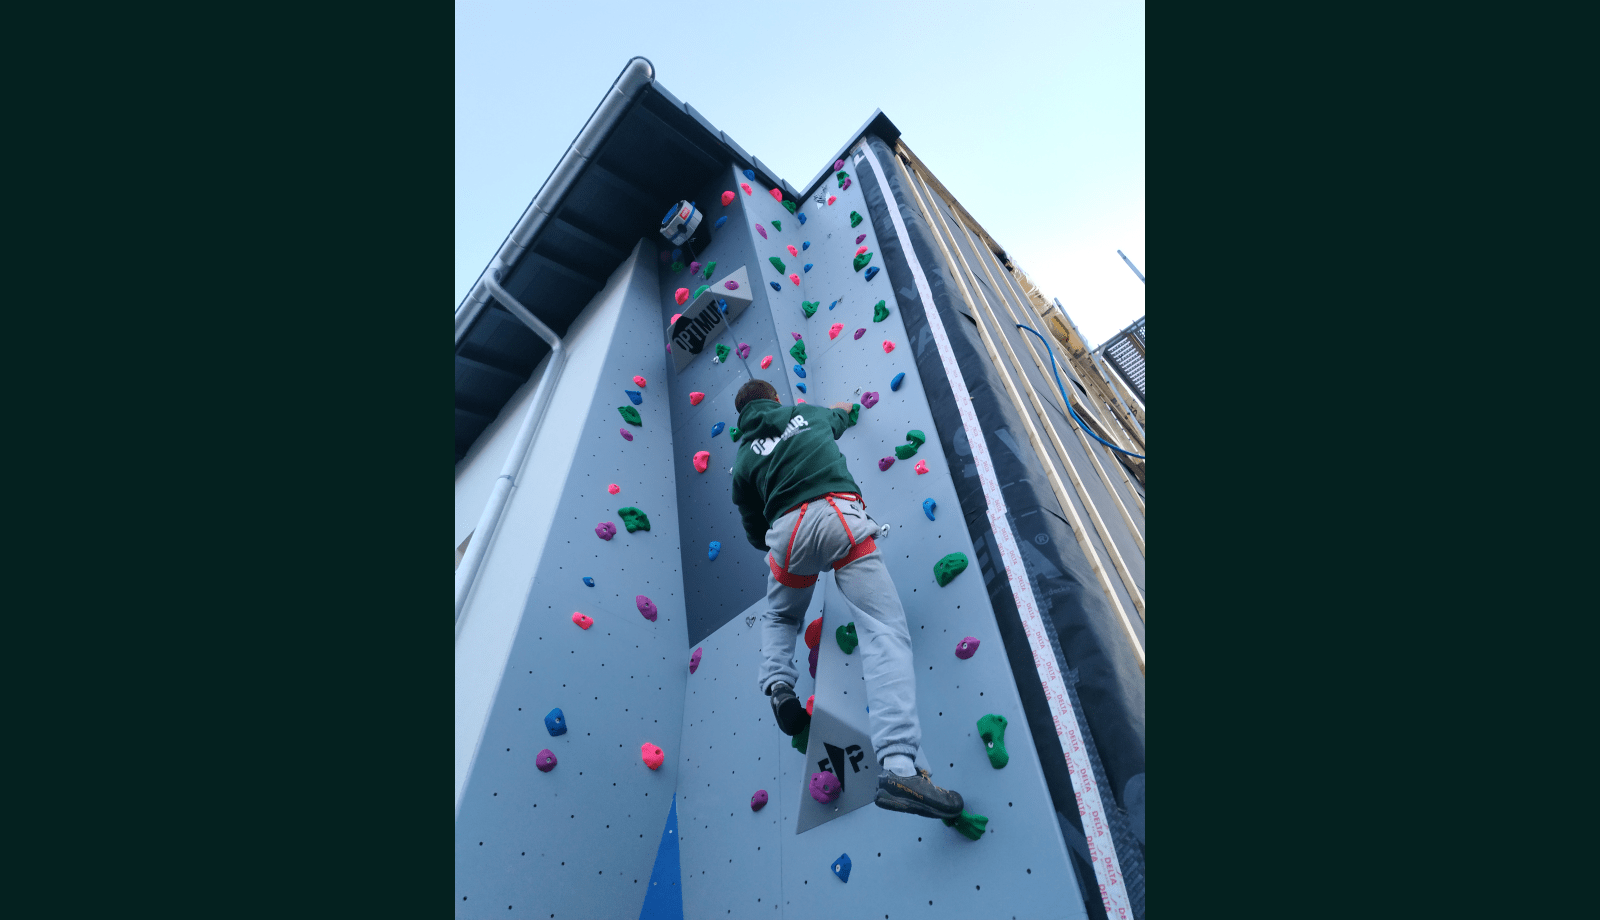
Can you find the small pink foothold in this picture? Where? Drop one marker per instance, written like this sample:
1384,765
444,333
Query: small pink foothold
861,250
681,295
761,230
809,700
652,755
638,380
647,607
967,648
800,401
743,350
613,488
674,318
832,199
834,330
824,787
885,463
583,621
793,251
727,198
731,285
888,346
759,800
777,195
626,434
869,399
921,467
605,530
766,362
796,336
859,239
694,661
746,188
695,397
795,279
546,761
838,165
861,332
702,460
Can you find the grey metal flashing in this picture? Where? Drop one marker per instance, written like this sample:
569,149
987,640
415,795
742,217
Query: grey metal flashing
704,122
733,145
878,124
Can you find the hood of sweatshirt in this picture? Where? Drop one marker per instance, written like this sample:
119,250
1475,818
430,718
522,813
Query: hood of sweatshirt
763,418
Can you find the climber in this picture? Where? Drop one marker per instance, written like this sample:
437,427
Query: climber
801,505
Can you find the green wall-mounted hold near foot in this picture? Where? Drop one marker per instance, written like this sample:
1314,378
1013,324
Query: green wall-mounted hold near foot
992,729
906,451
970,825
734,434
846,635
861,261
634,519
880,311
855,413
799,742
630,415
946,569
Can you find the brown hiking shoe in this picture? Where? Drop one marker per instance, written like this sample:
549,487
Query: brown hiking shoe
917,795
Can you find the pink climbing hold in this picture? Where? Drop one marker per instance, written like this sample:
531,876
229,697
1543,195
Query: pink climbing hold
793,251
888,346
759,800
605,530
885,463
652,755
695,397
681,295
777,195
743,350
647,607
639,381
674,318
967,648
795,278
859,239
731,285
727,198
809,700
832,199
761,230
834,330
626,434
838,165
746,188
861,250
702,460
921,467
546,761
613,488
869,399
694,661
825,787
766,362
801,401
583,621
861,332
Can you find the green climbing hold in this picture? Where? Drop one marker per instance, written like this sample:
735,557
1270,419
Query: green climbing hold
846,635
722,352
855,413
777,224
634,519
855,219
676,267
916,436
799,742
946,569
630,415
906,451
992,729
842,176
734,433
970,825
861,261
778,264
798,349
789,206
880,312
698,291
706,272
810,307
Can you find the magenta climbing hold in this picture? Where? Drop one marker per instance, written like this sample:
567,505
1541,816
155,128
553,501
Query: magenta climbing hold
652,755
860,238
546,761
605,530
626,434
838,164
647,607
809,701
795,278
766,362
681,295
860,261
746,189
834,330
921,467
793,251
813,657
832,199
777,195
694,267
885,463
743,350
702,459
584,621
731,285
759,800
638,381
761,230
814,633
967,648
861,332
613,488
796,336
888,346
727,198
846,185
824,787
694,661
869,398
861,250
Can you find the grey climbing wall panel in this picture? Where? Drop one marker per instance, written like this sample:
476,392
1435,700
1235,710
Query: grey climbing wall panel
581,839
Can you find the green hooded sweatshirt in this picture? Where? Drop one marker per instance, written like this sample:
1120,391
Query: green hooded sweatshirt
786,456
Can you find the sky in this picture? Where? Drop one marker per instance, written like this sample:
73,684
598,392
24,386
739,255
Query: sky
1031,114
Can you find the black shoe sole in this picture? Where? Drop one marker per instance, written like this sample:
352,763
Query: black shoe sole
890,803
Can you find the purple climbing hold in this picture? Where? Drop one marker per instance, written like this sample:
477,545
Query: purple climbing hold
838,165
885,463
743,350
846,184
605,530
861,332
694,267
869,399
796,336
825,787
813,661
626,434
759,800
731,285
646,606
761,230
967,648
546,761
694,661
860,238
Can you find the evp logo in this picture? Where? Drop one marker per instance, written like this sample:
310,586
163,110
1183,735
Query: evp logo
835,761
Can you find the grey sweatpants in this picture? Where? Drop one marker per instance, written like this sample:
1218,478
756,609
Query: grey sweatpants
880,625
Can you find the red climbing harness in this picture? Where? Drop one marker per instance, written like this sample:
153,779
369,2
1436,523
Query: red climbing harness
857,550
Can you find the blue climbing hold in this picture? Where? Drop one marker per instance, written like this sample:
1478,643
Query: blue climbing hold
801,386
720,221
636,396
808,266
928,505
800,371
750,174
832,305
717,428
775,286
677,255
841,867
588,581
806,245
872,271
898,379
722,305
802,216
716,550
556,722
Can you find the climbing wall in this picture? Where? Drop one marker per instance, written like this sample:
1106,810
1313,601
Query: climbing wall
741,862
581,838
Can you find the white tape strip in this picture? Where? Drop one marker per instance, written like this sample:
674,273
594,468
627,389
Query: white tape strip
1091,810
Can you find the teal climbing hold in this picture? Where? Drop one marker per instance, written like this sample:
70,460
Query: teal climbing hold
970,825
846,636
992,729
789,206
698,291
706,272
778,264
916,437
722,353
842,176
634,519
880,311
630,415
799,742
861,261
734,433
810,307
798,350
949,567
777,224
855,413
855,219
676,267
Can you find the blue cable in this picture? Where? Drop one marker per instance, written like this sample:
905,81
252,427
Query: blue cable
1069,402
